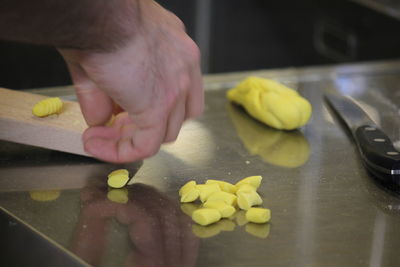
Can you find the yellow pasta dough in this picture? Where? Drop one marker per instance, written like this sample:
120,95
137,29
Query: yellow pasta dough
205,216
225,209
48,106
225,186
272,103
248,199
254,181
218,203
190,195
258,215
228,198
118,178
186,187
206,190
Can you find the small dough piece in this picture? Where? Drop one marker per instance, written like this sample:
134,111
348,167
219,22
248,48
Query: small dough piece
258,215
248,199
118,195
272,103
119,172
118,178
186,187
228,198
226,210
225,186
245,188
206,190
190,195
48,106
206,216
254,181
45,195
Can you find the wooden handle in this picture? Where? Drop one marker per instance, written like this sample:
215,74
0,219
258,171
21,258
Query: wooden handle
60,132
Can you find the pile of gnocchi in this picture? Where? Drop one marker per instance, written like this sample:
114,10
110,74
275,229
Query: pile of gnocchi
220,200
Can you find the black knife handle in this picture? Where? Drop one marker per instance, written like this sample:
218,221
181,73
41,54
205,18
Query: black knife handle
377,150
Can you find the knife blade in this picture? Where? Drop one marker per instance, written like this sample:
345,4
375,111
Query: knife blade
376,149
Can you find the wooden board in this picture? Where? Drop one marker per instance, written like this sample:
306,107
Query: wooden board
60,132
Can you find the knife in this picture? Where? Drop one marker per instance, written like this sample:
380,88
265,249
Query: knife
376,149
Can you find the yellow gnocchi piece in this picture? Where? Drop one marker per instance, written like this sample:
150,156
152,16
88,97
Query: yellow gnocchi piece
190,195
272,103
118,195
206,190
118,178
248,199
245,188
225,186
258,215
186,187
119,172
206,216
228,198
254,181
225,209
48,106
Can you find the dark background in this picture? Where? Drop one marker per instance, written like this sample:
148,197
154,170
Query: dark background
243,35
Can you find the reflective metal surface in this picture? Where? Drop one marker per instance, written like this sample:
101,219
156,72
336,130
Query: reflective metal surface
326,209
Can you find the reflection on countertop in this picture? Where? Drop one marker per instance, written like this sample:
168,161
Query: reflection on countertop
278,147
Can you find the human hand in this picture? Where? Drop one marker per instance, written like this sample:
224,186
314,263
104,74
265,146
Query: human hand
152,82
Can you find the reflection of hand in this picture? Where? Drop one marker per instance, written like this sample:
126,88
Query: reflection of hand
154,76
277,147
160,233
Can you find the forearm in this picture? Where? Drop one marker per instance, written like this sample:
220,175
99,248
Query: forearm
78,24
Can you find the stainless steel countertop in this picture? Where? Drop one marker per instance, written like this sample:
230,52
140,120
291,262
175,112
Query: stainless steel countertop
326,209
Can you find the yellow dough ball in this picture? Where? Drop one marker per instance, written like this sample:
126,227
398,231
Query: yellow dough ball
272,103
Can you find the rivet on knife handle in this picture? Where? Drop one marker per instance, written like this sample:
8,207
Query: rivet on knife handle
377,150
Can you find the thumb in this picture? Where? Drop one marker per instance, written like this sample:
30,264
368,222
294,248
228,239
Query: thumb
96,106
